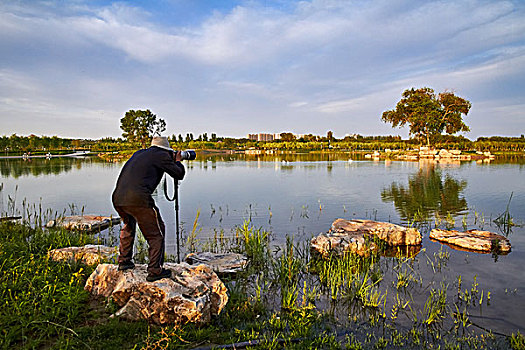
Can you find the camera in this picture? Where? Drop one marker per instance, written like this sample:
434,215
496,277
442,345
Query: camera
188,154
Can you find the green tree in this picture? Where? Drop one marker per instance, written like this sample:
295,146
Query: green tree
140,126
287,136
429,114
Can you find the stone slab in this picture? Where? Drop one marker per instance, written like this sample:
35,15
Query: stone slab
354,236
392,234
88,223
473,240
221,263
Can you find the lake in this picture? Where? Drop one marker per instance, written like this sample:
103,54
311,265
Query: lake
300,195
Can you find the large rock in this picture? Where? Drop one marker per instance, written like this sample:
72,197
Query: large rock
392,234
473,240
353,236
327,244
193,294
88,223
88,254
221,263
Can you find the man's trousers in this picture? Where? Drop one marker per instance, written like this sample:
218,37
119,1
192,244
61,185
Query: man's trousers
152,228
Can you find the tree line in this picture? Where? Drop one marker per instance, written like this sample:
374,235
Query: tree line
15,144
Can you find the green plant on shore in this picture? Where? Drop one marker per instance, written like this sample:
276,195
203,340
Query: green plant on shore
287,270
41,298
439,260
276,303
517,341
435,308
464,222
405,273
141,248
192,241
450,222
218,243
505,221
255,243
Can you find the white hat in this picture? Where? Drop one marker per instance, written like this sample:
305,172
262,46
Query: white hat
161,142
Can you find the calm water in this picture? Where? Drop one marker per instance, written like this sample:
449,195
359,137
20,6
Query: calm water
301,195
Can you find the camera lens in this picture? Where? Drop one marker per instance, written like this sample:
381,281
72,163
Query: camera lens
188,155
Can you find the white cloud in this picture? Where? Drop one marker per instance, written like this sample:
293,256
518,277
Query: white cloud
298,104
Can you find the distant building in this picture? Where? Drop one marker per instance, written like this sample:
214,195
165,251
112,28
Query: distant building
263,137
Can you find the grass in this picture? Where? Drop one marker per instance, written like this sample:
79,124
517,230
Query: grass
285,299
505,221
41,299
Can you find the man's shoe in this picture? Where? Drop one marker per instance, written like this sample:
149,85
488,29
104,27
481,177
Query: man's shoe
128,265
163,274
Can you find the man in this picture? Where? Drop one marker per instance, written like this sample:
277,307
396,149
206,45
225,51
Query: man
133,202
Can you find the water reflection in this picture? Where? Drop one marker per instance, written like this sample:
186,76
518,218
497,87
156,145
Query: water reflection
284,158
428,193
15,168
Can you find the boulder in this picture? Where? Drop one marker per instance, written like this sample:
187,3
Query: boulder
351,235
392,234
221,263
88,254
473,240
326,244
88,223
192,294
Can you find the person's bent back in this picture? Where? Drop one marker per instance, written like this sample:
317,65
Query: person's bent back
142,173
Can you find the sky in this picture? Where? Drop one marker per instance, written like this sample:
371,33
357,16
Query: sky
72,68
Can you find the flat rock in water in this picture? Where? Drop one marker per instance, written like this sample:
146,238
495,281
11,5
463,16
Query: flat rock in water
327,244
84,222
192,294
392,234
350,236
473,240
88,254
221,263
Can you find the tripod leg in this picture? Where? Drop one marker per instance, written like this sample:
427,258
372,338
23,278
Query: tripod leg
176,183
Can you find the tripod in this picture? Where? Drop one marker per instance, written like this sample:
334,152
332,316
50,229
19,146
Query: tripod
175,198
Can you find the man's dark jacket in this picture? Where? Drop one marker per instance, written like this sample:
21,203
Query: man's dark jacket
142,174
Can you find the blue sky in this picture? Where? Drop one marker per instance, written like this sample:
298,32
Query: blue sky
73,68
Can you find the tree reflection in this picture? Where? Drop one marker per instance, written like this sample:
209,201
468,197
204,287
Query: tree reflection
16,168
428,193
